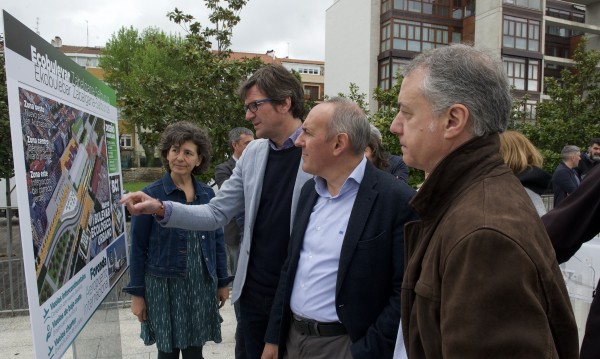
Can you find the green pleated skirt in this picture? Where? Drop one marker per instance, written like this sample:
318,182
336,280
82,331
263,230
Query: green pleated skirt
183,312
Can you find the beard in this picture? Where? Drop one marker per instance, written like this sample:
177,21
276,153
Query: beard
595,158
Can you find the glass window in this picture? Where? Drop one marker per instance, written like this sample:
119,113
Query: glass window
522,34
522,73
385,6
417,36
384,75
385,37
125,141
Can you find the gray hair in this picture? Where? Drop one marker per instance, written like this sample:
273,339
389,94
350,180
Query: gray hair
376,133
350,119
235,134
462,74
568,151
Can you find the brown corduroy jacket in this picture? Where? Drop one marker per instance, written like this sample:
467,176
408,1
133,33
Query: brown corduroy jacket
481,279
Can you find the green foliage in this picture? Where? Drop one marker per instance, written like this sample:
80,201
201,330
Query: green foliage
360,98
134,186
6,156
571,115
161,79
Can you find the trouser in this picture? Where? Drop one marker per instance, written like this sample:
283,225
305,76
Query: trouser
299,346
254,311
233,252
590,347
187,353
240,346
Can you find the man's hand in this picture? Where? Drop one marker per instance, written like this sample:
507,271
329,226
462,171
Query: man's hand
222,296
140,203
138,307
270,351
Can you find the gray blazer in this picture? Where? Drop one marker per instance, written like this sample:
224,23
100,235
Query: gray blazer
239,194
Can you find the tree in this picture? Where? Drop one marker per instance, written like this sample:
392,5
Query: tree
571,115
160,79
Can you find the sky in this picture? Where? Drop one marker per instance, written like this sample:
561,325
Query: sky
291,28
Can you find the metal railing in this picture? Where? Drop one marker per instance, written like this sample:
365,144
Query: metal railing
13,288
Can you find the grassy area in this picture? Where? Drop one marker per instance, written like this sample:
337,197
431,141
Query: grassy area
135,186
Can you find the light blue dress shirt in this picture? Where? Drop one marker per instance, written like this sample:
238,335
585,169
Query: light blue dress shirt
313,294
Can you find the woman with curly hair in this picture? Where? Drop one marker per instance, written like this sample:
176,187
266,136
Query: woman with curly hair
178,278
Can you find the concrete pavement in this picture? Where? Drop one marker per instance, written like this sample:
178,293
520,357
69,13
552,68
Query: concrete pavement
99,343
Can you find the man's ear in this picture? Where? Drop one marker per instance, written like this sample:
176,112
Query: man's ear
285,106
342,142
457,117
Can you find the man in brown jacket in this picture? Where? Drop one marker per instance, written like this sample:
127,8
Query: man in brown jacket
481,278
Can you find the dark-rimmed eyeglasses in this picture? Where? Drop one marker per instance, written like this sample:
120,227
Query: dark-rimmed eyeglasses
253,106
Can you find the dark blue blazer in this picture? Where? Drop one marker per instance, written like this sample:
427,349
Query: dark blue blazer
564,182
371,267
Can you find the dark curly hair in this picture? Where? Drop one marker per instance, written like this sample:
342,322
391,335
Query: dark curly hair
183,131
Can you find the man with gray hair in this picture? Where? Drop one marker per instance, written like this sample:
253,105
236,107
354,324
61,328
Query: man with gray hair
565,179
339,291
481,279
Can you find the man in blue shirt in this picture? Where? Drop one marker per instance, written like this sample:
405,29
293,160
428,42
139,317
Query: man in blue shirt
339,291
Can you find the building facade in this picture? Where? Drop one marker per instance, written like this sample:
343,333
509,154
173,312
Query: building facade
367,42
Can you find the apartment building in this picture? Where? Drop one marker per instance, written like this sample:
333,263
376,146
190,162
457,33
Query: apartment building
368,41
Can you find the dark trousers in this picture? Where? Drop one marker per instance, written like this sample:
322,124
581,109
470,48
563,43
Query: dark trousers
187,353
590,347
240,346
299,346
254,311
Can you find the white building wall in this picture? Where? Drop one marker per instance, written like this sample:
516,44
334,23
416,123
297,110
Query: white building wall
351,47
488,25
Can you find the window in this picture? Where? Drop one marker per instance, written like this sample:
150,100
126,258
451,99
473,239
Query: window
312,92
126,141
385,37
384,74
387,76
531,4
417,36
522,73
309,71
386,6
429,7
462,9
522,34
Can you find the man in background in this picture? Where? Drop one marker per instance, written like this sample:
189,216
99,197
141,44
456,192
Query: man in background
239,138
589,159
565,178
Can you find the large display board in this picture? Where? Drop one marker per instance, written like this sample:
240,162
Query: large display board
65,145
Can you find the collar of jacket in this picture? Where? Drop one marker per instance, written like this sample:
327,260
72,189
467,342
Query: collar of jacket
170,186
469,163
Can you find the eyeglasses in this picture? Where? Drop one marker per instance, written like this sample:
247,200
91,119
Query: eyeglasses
253,106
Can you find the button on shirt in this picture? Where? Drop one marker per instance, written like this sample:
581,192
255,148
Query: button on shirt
313,294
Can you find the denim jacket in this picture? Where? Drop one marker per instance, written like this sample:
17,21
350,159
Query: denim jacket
161,251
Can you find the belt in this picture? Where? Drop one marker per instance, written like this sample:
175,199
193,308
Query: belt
318,329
